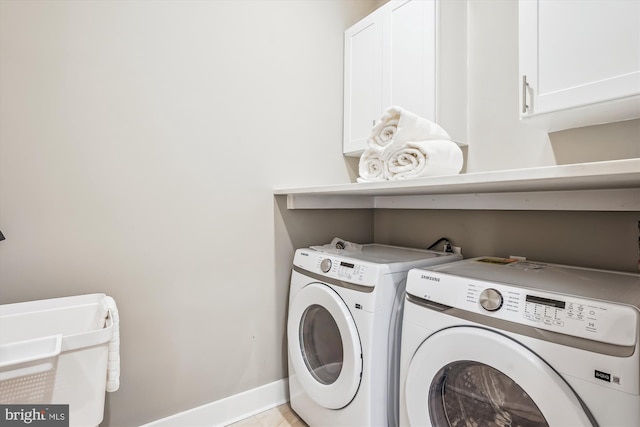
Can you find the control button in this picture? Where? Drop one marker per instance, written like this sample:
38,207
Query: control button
558,322
528,316
548,321
490,299
537,318
325,265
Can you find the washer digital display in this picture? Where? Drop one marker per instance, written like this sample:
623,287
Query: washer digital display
545,301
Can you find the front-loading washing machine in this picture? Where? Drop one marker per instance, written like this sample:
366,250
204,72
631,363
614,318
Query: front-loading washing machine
344,332
508,342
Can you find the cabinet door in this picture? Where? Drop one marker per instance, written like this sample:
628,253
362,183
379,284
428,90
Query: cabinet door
362,81
390,59
409,56
576,54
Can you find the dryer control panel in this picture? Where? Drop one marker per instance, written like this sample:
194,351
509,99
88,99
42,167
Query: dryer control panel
335,267
581,317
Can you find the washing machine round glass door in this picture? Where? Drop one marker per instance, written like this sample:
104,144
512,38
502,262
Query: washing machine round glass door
472,376
324,346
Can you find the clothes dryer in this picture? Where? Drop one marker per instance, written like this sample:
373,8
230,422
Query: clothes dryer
496,342
343,329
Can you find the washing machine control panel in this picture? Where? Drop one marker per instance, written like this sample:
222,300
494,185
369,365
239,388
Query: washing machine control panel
581,317
348,271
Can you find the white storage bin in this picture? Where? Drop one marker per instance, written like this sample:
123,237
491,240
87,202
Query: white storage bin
55,351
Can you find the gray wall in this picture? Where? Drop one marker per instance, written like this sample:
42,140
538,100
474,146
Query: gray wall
606,240
140,143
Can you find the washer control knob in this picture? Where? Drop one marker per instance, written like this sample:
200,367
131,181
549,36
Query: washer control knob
491,299
325,265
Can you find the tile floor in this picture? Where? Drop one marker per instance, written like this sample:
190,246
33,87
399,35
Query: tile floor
280,416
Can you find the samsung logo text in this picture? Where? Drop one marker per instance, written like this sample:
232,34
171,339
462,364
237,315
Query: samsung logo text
435,279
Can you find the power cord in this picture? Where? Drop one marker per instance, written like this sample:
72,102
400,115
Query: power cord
447,246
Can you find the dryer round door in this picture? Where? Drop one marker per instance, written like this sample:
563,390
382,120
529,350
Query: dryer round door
324,346
473,376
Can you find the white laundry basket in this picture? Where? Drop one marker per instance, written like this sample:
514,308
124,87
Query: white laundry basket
55,351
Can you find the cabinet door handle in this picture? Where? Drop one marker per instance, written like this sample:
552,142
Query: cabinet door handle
525,85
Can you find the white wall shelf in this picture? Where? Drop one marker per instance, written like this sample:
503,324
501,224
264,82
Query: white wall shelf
598,186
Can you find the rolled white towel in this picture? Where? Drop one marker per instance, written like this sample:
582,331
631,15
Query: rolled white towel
424,158
370,168
398,126
383,131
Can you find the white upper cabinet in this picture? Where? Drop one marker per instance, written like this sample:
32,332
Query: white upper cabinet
579,62
362,80
409,56
390,59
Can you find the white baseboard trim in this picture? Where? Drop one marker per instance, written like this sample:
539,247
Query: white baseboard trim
230,409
